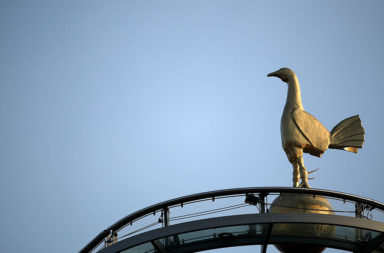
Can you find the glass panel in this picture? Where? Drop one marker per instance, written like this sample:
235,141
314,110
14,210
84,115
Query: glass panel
142,248
221,233
212,234
323,231
248,234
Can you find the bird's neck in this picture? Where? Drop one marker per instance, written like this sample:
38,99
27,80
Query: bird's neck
294,93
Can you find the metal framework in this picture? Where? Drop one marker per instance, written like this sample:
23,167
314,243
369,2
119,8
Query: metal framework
246,229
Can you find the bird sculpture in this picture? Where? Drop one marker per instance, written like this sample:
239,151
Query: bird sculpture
303,133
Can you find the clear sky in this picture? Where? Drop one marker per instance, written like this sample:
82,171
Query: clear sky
107,107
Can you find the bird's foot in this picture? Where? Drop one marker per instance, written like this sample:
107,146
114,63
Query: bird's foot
304,184
296,182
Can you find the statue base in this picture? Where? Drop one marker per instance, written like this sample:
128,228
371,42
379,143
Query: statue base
299,203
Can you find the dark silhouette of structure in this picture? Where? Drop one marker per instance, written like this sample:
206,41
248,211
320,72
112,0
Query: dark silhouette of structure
248,216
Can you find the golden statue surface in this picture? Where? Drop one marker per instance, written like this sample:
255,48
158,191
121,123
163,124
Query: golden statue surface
303,133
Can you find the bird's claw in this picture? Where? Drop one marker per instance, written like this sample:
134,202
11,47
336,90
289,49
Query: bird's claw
304,185
313,171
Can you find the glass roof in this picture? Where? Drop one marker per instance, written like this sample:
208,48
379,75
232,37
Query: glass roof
332,236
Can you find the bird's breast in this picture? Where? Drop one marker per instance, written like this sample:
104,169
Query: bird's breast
290,134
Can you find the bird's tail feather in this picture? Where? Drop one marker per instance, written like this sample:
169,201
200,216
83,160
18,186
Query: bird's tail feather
348,135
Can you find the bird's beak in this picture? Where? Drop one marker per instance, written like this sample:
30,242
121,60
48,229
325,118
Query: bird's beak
272,74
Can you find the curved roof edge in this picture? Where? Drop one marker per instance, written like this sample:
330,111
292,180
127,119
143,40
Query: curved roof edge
268,219
211,194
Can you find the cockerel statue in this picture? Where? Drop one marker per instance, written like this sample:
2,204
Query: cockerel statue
303,133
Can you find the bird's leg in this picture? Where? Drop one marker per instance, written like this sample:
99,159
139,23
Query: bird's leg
303,173
295,174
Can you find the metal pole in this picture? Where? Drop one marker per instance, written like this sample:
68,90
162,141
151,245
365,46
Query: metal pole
166,217
359,208
262,202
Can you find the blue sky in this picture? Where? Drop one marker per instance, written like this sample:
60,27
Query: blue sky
110,106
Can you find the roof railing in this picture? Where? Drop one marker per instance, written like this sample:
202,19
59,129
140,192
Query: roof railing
256,196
